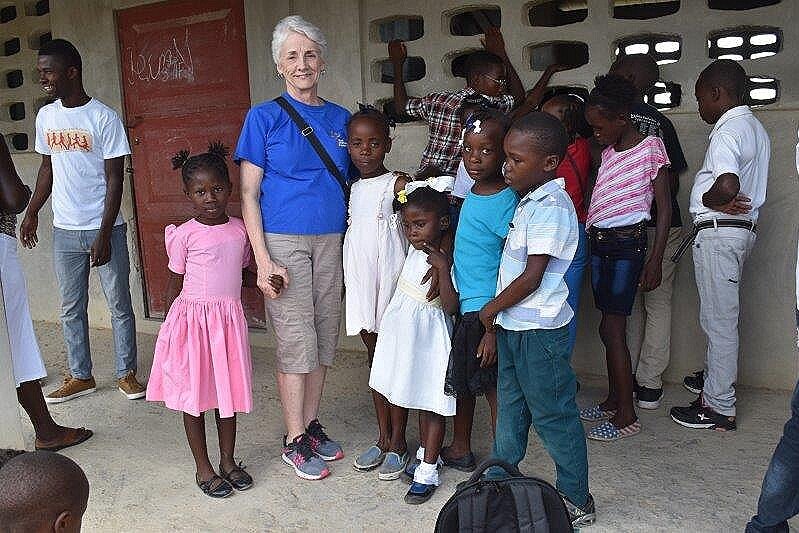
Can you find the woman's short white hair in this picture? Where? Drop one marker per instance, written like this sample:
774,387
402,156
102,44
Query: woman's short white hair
295,23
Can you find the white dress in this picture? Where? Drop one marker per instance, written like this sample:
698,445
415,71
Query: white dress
374,250
412,350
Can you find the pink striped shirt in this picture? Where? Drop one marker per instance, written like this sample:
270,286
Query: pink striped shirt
623,192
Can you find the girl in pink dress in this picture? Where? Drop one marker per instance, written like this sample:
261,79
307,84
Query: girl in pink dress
202,355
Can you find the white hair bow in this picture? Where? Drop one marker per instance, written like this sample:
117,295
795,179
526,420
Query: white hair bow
437,183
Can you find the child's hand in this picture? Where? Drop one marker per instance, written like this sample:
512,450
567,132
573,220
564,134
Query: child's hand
397,51
487,349
432,275
494,42
487,320
265,274
436,258
276,282
740,205
650,277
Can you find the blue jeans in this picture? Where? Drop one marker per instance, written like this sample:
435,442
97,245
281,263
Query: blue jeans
536,385
71,250
779,498
574,281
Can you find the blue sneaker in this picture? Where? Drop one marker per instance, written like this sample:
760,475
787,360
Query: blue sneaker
419,493
298,455
371,458
321,444
393,465
410,470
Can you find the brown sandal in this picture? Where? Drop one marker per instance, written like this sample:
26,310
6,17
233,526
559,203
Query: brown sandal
78,435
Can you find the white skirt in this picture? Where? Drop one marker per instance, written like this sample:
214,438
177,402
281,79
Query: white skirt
25,355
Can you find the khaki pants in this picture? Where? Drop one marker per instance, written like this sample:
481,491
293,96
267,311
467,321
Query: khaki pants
307,315
649,324
719,256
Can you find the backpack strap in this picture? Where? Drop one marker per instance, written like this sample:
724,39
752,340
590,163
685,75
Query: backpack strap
472,512
530,512
307,131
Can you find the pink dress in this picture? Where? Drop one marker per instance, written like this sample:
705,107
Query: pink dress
202,355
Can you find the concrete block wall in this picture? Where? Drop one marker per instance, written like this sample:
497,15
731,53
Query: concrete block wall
768,355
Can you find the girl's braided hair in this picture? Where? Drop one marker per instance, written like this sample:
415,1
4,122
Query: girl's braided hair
213,159
369,111
613,94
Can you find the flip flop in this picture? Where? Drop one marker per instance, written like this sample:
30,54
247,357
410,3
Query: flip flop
80,435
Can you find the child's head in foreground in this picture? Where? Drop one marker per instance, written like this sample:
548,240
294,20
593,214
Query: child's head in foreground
42,492
425,216
534,147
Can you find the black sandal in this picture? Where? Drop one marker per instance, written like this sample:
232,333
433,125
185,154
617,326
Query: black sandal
221,490
238,478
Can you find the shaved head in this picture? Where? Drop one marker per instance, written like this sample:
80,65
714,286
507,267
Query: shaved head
640,69
40,489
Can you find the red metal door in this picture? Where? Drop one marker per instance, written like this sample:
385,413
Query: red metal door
185,83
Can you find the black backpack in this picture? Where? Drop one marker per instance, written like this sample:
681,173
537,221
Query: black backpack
513,504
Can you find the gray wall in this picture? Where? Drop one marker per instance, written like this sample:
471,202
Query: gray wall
768,356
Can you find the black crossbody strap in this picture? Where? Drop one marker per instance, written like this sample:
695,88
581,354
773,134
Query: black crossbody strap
307,131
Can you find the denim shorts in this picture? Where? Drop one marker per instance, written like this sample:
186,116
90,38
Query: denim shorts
617,259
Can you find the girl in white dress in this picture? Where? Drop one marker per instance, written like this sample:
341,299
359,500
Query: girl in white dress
412,351
374,251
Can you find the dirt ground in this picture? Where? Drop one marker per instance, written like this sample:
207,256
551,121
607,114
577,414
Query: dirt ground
668,478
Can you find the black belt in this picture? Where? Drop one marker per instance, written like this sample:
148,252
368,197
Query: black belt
708,224
633,231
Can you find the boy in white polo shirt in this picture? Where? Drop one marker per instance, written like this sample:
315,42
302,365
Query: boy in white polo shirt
727,194
83,146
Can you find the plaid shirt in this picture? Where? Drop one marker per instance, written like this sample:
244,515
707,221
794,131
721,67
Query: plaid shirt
440,111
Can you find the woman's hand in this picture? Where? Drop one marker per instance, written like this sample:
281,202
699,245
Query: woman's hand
267,282
487,349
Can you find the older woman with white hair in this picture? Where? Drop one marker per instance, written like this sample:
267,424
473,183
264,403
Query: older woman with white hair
294,172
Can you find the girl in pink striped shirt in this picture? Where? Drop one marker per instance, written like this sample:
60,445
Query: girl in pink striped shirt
633,173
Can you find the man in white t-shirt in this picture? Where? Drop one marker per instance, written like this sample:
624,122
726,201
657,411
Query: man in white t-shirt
726,197
83,146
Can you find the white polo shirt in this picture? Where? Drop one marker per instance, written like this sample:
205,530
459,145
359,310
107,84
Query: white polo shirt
738,145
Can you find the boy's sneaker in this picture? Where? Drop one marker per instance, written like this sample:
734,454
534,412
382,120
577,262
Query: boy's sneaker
393,465
581,516
130,387
321,445
299,455
695,382
697,416
72,388
649,398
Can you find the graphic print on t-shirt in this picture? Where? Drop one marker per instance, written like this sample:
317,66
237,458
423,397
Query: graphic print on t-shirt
69,140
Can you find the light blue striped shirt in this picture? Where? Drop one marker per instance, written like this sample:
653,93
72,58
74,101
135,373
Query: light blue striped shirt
544,223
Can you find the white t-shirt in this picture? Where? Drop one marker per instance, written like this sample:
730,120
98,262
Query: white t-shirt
739,145
78,141
463,182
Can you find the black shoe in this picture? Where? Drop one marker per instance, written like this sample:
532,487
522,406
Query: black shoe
696,416
581,516
238,478
216,487
649,398
466,463
695,382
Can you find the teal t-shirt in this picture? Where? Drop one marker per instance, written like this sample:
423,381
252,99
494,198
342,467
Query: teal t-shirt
482,228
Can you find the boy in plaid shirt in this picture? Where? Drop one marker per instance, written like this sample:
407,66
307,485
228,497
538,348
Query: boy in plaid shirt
488,74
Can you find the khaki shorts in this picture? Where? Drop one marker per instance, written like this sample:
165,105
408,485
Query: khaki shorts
306,317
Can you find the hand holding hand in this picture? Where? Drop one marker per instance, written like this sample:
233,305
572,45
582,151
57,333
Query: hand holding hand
267,279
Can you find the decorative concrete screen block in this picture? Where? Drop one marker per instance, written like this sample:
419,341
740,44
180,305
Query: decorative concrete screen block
402,28
7,14
551,13
664,49
458,60
744,43
25,28
11,47
413,70
14,79
740,5
644,9
664,95
570,54
474,21
763,91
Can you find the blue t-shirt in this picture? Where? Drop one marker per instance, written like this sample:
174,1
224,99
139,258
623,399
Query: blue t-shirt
482,228
298,194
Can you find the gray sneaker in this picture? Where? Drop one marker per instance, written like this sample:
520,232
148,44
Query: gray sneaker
392,466
298,455
369,459
581,516
321,444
